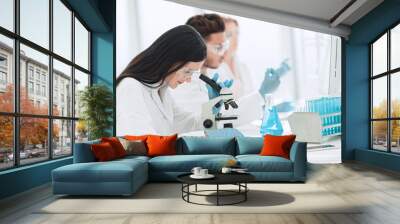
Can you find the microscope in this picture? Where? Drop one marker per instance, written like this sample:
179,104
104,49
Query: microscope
226,117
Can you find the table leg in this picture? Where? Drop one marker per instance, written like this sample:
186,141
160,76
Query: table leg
217,194
195,188
188,190
245,193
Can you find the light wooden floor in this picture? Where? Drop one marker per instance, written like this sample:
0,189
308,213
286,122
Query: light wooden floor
351,181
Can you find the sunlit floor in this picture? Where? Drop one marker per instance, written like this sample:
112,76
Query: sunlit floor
377,192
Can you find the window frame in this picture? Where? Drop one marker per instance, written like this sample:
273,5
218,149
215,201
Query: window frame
388,74
16,115
3,70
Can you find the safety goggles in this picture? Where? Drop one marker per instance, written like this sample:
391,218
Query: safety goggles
219,48
229,34
187,72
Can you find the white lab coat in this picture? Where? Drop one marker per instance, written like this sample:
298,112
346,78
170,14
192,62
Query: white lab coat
145,110
192,95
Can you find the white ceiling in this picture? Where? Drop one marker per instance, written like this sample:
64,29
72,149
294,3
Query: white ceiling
316,15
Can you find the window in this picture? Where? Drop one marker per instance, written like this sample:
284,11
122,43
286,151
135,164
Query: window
81,81
30,87
44,91
45,117
55,102
33,149
37,74
3,78
30,72
395,47
81,45
61,74
62,137
3,61
385,94
62,30
6,142
379,56
6,73
37,89
35,21
3,72
7,14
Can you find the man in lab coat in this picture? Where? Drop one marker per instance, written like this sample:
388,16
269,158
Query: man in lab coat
232,67
192,95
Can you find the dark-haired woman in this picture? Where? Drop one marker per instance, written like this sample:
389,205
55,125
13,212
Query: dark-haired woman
144,105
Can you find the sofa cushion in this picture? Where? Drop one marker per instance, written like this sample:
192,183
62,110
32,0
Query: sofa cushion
257,163
185,163
83,152
249,145
191,145
136,137
277,145
103,152
116,145
161,145
134,147
132,158
111,171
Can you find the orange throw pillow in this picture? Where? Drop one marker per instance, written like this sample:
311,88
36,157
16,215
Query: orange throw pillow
116,145
277,145
136,138
103,152
161,145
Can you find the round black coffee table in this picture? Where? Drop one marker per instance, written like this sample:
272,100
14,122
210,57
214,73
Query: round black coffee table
238,179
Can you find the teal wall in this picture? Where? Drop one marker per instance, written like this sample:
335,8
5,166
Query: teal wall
102,59
24,178
94,14
103,51
381,159
103,63
99,16
356,83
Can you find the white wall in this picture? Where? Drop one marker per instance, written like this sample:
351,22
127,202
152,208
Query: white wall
128,38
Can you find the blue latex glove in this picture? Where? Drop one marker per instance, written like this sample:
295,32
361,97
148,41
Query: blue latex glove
225,84
283,68
272,78
212,93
